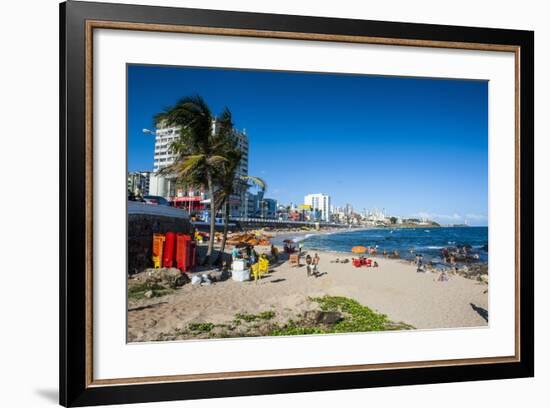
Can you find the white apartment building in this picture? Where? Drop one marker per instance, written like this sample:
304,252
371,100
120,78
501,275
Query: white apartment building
319,202
165,136
375,215
163,156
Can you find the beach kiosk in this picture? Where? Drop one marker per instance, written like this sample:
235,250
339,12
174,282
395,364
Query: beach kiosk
239,271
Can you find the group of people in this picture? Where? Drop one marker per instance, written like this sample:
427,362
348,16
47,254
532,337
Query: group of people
460,253
392,254
312,265
421,267
248,253
251,255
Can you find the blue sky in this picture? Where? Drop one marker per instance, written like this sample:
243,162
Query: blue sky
414,146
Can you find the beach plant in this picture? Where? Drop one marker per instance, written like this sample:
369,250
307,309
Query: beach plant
138,291
201,327
199,148
266,315
356,318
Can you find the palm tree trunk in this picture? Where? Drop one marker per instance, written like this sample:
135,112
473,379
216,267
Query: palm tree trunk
210,250
225,231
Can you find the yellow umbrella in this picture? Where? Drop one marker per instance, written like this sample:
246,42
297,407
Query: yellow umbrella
359,249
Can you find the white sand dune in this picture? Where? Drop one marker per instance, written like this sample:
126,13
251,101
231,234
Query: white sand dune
394,288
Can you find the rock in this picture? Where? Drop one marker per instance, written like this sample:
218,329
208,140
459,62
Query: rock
150,323
167,277
322,317
149,294
183,279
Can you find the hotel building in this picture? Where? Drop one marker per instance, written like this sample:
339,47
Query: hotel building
319,202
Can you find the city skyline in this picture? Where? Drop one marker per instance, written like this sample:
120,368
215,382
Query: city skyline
416,147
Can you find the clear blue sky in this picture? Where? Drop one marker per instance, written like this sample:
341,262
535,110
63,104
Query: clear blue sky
414,146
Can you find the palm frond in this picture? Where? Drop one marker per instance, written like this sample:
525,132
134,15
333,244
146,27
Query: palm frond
261,183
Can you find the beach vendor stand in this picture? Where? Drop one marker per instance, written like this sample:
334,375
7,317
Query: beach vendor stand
239,268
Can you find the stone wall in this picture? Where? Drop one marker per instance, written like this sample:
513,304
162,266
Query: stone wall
141,228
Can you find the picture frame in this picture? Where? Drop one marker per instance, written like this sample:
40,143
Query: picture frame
78,386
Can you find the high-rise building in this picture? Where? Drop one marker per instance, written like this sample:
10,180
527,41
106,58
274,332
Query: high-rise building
319,202
165,185
138,182
164,137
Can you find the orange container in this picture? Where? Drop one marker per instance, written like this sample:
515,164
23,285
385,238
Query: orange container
158,247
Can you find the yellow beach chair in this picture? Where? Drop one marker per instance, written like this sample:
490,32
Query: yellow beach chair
264,266
260,268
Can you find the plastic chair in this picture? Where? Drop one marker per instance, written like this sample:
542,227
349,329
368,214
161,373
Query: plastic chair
264,266
255,268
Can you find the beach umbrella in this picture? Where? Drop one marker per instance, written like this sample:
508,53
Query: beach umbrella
359,249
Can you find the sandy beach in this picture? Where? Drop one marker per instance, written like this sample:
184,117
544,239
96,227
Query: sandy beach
394,289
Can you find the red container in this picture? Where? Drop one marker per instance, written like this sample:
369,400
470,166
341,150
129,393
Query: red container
168,255
186,252
182,246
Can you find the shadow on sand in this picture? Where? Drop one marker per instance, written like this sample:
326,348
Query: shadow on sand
481,311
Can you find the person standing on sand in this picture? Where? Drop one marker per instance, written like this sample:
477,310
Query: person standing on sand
308,265
316,260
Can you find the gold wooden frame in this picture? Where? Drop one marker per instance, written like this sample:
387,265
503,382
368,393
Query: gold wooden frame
98,24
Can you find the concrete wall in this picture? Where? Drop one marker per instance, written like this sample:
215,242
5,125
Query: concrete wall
141,228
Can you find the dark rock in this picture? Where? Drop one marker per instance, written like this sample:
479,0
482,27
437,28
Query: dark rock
323,317
167,277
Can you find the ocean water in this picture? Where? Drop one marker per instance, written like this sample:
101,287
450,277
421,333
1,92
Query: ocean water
425,241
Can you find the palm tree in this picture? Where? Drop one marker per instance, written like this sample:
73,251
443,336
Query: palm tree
229,184
200,150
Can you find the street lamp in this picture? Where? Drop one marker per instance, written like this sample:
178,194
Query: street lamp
148,131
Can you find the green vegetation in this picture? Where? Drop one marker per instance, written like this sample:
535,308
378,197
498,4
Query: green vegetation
267,315
138,291
351,317
355,318
201,327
